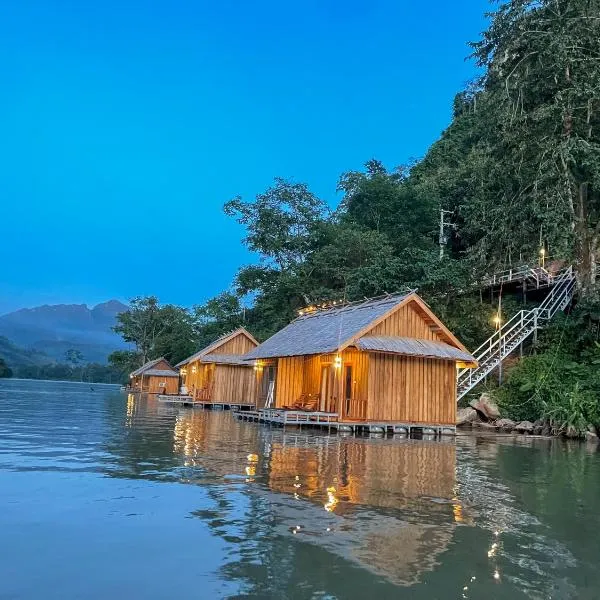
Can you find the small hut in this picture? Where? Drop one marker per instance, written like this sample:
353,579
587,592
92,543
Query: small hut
387,359
155,377
218,374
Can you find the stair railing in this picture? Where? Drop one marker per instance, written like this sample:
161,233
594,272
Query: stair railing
515,331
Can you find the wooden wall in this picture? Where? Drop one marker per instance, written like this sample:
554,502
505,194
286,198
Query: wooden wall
290,380
153,384
411,390
201,378
239,344
299,375
234,385
407,321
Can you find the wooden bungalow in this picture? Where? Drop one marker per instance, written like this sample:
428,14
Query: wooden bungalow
218,374
384,360
155,377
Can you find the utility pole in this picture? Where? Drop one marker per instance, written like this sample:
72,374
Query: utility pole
443,239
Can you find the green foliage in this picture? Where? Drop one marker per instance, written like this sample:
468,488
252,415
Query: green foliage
562,382
124,361
90,372
157,330
5,370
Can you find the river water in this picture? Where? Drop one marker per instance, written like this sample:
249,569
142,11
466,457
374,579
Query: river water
104,495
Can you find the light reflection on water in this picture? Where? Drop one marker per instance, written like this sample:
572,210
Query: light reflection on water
270,513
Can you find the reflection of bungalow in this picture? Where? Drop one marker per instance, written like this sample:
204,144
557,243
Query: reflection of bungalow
387,359
155,377
219,373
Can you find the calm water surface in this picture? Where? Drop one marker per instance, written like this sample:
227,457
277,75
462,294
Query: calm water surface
108,496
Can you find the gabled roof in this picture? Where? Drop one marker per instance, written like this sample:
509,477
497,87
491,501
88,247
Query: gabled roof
151,363
412,347
216,345
334,329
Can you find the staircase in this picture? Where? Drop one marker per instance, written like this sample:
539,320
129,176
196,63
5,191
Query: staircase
513,333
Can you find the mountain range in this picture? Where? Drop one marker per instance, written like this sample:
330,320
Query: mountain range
45,333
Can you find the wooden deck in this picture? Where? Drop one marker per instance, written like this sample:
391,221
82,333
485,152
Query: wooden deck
329,421
186,400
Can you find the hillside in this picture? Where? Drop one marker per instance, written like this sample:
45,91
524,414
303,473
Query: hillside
15,356
54,329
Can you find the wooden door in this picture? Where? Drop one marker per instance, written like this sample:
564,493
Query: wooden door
326,389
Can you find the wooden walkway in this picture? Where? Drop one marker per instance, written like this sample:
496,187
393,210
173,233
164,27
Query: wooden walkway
186,400
331,421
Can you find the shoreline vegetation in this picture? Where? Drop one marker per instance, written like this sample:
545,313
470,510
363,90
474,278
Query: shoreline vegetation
517,174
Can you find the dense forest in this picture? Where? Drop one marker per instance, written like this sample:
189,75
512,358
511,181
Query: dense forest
517,171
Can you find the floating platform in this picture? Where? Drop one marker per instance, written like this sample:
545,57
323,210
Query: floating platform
187,400
329,421
182,399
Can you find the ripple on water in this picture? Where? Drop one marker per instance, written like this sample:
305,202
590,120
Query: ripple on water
341,516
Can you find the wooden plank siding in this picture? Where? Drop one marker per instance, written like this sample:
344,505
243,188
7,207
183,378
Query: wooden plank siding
411,390
153,384
290,379
407,321
233,385
240,344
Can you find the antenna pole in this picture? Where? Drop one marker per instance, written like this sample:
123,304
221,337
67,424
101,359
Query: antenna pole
443,238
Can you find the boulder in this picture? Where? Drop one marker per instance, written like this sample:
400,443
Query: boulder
505,424
486,407
591,436
524,427
465,416
546,429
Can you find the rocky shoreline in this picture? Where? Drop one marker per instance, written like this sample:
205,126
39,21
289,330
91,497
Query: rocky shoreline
484,414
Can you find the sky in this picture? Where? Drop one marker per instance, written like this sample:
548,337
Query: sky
126,125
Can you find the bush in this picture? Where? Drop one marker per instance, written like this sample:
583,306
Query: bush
553,387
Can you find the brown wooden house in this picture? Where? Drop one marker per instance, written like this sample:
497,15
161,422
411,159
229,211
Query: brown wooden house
218,374
387,359
155,377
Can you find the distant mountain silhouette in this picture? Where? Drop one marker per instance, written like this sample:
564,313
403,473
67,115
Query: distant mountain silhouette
54,329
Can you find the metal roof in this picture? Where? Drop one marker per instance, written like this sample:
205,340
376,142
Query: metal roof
413,347
144,368
161,373
226,359
324,331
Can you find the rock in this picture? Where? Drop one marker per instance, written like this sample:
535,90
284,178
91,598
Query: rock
591,436
465,416
524,427
505,424
546,429
571,432
485,425
486,407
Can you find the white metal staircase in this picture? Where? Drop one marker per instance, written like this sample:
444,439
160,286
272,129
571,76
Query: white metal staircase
513,333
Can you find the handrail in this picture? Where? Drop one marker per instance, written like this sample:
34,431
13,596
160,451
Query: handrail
515,331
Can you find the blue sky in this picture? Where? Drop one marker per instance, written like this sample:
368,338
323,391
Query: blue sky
125,126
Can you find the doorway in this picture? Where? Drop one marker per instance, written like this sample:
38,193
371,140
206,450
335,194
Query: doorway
326,389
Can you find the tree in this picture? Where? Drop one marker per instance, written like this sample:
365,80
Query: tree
280,222
156,330
540,92
5,370
125,361
75,358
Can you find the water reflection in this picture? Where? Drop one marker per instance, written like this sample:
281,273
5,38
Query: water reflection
302,515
